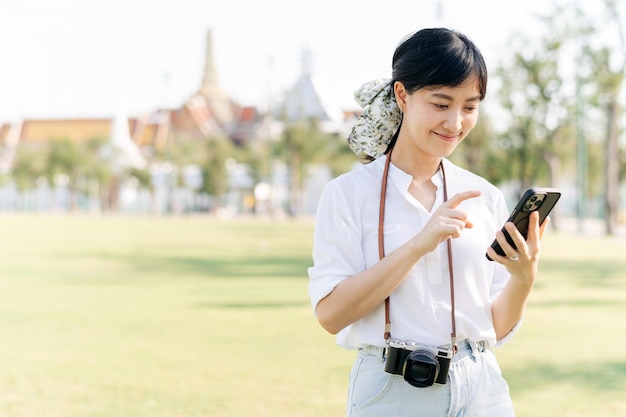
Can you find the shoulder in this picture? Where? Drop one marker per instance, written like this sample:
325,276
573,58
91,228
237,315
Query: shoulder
358,182
349,194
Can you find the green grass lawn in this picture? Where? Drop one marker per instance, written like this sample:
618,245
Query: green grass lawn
156,317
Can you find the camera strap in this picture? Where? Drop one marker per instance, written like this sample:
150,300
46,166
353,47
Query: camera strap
381,251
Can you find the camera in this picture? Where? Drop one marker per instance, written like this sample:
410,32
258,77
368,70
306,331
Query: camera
421,365
534,202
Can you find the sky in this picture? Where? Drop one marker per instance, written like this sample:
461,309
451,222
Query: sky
95,58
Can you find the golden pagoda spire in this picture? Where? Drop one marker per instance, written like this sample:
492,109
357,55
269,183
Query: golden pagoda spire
219,103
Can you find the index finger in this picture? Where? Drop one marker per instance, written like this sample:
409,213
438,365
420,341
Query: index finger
534,226
461,197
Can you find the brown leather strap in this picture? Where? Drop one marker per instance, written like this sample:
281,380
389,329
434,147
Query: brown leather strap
381,243
450,267
381,250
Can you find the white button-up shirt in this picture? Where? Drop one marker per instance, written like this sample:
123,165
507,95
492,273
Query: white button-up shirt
346,243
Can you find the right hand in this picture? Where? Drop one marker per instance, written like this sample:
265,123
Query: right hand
446,222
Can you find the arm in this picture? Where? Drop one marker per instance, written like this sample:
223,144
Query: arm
508,309
356,296
359,294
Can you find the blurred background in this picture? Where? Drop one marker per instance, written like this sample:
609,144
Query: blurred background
242,108
160,163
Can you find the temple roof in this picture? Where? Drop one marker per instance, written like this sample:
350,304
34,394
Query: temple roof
309,98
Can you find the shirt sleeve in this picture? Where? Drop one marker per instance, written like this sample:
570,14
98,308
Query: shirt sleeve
337,252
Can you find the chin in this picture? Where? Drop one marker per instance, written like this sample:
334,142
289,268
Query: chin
448,150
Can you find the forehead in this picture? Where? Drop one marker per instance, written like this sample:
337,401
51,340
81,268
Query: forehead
469,90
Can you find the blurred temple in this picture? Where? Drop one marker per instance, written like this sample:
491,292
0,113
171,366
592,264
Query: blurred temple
207,113
309,99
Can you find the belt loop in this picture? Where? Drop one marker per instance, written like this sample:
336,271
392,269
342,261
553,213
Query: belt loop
379,353
484,345
474,346
480,346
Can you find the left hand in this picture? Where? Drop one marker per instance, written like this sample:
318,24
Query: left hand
523,261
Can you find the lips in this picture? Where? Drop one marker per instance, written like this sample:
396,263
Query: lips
448,138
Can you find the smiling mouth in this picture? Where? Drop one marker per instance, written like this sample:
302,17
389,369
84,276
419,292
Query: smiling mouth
448,138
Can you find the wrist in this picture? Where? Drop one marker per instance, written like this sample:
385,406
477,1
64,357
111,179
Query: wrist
417,249
523,281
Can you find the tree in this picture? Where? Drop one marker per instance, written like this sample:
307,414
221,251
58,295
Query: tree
337,154
300,144
600,68
572,74
181,152
534,96
214,171
607,70
94,171
29,165
64,161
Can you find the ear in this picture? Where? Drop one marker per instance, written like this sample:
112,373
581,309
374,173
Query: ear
401,95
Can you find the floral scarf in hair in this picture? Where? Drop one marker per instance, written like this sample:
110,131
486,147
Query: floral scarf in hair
379,121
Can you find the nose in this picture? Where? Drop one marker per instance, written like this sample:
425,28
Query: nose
453,121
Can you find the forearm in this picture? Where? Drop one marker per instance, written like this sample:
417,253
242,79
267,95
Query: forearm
358,295
508,309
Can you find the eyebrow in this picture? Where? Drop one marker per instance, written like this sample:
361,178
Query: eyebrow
447,97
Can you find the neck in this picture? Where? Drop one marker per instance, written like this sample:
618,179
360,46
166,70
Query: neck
419,166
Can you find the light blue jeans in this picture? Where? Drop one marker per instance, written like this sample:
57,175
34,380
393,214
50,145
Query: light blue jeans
475,388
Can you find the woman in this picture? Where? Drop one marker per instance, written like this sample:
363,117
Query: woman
421,296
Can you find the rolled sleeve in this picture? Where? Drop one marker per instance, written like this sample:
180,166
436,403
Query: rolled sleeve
337,252
506,339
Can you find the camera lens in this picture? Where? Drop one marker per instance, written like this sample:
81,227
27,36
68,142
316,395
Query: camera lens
421,368
421,371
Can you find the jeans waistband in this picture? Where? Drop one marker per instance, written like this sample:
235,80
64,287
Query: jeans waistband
465,346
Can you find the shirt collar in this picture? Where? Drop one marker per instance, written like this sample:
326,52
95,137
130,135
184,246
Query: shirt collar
402,180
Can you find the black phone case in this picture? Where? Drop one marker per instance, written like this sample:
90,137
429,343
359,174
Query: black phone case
526,205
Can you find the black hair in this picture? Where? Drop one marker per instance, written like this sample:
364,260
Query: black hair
438,57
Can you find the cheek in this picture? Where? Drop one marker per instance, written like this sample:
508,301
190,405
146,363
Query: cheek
470,121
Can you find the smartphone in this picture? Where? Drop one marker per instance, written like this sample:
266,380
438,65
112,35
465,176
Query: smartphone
542,200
